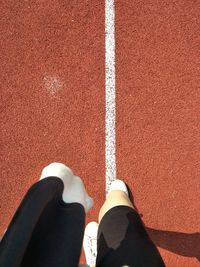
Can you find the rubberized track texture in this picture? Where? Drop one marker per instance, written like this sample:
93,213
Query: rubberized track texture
52,81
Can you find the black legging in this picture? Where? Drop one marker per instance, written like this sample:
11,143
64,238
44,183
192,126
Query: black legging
47,232
123,241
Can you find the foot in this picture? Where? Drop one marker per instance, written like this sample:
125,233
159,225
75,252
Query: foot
90,243
118,185
74,189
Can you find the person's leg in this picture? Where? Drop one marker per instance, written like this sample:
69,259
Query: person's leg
122,238
115,198
47,229
90,237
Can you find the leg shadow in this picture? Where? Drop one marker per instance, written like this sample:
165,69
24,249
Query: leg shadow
183,244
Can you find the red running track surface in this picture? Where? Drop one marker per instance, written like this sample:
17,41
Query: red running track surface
53,108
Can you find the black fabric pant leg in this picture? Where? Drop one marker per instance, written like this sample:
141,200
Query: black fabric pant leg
123,241
45,231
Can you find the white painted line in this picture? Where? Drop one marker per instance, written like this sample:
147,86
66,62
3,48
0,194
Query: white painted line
110,146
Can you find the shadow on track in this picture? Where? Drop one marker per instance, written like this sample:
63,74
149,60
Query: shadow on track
183,244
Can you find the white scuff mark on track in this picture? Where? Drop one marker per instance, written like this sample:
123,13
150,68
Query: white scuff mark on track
110,146
53,84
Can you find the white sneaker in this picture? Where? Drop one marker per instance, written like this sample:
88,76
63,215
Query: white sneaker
90,243
74,189
118,185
